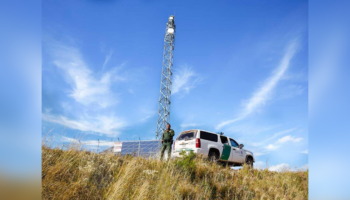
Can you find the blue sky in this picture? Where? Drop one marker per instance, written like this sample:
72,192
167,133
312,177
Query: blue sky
20,87
239,67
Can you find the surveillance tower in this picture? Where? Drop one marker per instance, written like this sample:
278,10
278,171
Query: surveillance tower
165,82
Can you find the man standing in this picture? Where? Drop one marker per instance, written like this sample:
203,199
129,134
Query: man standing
167,141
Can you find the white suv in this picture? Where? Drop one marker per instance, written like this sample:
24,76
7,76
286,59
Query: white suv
216,147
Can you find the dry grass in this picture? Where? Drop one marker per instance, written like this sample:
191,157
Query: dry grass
73,174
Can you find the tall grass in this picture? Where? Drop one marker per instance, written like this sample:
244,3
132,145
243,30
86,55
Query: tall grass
74,174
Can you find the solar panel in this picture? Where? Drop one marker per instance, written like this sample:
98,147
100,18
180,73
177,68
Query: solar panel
141,148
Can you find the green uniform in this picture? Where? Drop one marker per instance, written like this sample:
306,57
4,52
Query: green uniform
167,142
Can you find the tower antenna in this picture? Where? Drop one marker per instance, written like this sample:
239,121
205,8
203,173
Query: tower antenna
166,77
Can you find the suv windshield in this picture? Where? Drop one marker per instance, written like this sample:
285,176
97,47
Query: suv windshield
186,136
234,143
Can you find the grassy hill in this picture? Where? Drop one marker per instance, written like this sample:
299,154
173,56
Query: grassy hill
73,174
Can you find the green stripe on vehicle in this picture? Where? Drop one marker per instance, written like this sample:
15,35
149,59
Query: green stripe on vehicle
226,152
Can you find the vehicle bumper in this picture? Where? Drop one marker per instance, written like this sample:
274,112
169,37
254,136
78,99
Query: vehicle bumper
177,152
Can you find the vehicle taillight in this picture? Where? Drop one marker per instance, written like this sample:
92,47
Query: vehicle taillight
198,143
174,146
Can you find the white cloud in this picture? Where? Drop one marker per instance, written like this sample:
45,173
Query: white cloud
287,139
86,87
283,167
263,93
100,124
305,152
282,140
258,153
263,147
259,165
280,168
146,118
108,57
272,147
183,126
185,79
262,143
229,122
88,142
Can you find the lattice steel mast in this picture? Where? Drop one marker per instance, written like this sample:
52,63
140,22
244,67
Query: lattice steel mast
165,84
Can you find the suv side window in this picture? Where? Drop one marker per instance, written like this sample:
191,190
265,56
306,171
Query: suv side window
186,136
208,136
233,143
224,140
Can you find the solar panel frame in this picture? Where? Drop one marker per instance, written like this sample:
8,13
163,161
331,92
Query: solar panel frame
148,148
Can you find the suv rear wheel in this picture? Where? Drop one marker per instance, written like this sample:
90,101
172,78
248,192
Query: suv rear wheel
249,162
213,156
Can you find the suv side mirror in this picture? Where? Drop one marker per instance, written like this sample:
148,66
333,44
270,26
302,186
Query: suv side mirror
241,146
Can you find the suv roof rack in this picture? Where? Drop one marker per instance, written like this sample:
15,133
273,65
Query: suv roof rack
220,133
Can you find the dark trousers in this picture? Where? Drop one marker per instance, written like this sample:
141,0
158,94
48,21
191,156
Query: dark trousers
165,145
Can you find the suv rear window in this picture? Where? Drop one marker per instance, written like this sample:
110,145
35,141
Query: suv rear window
209,136
186,136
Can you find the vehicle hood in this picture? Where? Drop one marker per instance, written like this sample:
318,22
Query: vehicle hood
248,152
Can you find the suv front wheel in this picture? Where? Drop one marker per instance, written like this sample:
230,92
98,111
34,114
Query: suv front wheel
249,162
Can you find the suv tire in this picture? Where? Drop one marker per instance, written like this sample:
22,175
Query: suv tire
213,156
249,162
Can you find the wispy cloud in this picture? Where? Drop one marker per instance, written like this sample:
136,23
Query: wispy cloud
110,125
185,79
87,88
187,125
263,93
278,134
146,118
282,140
87,142
91,89
287,139
108,57
305,152
263,146
146,114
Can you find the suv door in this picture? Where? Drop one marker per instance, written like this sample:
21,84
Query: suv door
226,148
237,154
208,140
